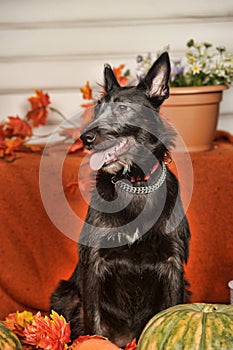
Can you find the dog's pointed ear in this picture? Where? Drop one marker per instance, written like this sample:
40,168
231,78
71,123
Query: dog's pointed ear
110,80
156,81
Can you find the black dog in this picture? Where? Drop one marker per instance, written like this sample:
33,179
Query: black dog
135,239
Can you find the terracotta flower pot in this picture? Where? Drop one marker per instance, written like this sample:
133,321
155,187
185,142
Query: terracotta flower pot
193,112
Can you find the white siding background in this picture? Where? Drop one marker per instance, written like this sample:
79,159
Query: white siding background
57,45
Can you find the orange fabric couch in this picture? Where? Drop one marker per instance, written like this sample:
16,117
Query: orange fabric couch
35,255
210,216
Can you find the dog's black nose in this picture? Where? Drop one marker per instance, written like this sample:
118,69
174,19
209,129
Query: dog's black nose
88,138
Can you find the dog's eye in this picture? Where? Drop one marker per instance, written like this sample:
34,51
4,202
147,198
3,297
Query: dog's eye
123,107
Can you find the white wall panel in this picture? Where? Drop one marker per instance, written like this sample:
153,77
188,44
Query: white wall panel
82,42
29,11
59,44
43,54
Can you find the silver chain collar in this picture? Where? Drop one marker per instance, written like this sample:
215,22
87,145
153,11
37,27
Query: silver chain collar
143,189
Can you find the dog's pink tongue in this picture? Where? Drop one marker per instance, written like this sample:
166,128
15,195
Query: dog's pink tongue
98,159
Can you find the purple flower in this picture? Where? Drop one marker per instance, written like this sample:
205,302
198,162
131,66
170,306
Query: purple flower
176,70
176,61
139,58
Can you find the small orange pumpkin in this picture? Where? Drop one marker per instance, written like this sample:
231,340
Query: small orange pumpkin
94,342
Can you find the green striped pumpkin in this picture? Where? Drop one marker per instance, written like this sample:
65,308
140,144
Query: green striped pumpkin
8,340
190,327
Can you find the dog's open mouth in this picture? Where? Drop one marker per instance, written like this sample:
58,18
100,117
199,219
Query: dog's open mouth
109,155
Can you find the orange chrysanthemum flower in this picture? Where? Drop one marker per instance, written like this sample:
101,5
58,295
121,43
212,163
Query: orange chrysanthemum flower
17,321
49,333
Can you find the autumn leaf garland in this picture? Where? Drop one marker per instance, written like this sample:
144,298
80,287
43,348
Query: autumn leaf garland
15,132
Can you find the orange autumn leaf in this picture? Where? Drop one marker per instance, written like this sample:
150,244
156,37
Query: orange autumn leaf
2,141
17,127
122,80
88,105
2,145
2,131
40,100
132,345
38,112
38,116
33,147
76,146
118,70
87,91
12,145
2,148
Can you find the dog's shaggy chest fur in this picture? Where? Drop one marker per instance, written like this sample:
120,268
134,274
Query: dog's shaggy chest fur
135,238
